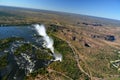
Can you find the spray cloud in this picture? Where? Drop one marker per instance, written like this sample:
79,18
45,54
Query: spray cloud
48,41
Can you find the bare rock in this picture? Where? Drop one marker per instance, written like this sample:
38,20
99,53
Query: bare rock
110,38
73,38
86,45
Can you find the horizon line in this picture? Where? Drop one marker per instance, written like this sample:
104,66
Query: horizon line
60,12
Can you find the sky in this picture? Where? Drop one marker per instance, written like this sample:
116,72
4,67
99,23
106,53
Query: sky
99,8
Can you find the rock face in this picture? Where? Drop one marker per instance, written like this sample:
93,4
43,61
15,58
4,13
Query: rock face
92,24
86,44
105,37
110,38
73,38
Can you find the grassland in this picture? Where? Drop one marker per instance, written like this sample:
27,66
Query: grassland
71,34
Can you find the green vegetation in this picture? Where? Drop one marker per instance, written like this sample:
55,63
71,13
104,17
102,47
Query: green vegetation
96,58
116,62
43,54
3,61
100,62
53,28
41,71
29,49
68,66
24,48
5,43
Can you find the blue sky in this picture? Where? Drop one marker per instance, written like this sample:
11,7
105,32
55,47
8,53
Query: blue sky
100,8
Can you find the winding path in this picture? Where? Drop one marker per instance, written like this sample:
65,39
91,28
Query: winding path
75,52
51,70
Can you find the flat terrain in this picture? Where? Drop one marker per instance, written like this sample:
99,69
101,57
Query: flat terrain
90,45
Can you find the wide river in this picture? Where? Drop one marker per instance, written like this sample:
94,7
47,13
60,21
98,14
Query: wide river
16,31
12,70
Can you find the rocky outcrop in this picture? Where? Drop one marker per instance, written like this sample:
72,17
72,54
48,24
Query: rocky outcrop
105,37
73,38
92,24
86,44
110,38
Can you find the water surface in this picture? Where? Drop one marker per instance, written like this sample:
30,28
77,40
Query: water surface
16,31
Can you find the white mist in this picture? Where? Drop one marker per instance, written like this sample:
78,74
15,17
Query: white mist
48,41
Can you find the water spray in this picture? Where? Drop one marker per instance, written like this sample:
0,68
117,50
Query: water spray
48,41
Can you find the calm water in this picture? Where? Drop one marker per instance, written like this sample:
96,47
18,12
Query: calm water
16,31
